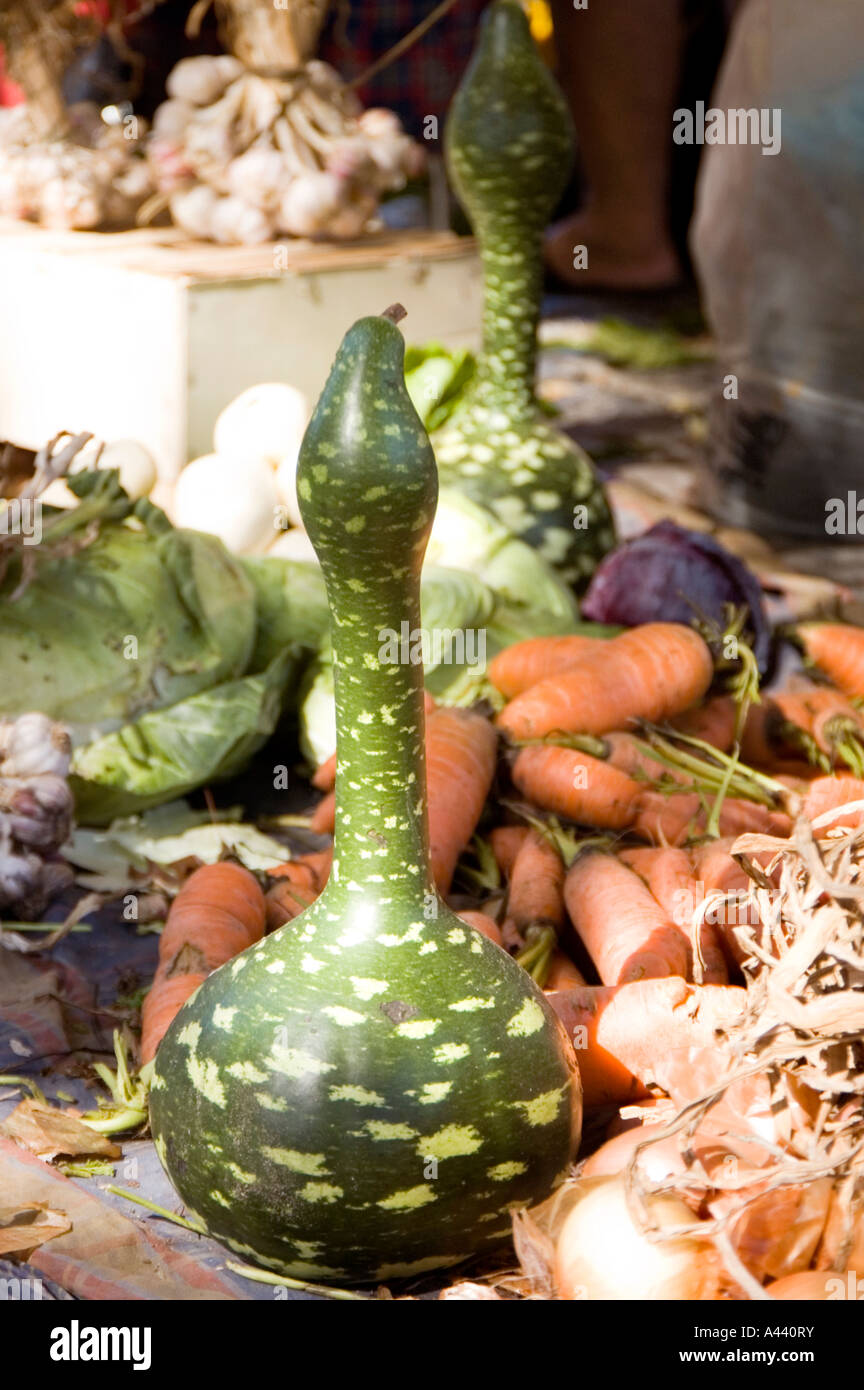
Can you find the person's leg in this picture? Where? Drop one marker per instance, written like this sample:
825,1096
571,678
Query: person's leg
619,65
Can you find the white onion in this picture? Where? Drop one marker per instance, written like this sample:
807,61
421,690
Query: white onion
235,501
294,545
265,422
133,462
286,486
602,1254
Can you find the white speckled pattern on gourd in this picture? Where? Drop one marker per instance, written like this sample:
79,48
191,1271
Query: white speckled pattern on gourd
367,1092
509,147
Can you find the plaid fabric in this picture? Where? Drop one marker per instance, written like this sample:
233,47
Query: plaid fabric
423,80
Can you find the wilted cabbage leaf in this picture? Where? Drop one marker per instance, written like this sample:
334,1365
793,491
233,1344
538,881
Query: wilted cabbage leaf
169,752
131,623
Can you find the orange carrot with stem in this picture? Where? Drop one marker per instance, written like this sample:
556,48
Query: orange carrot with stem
714,722
218,912
837,649
482,922
536,896
575,785
650,672
625,931
669,876
519,667
505,842
672,820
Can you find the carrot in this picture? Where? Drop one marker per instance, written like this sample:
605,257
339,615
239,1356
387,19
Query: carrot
298,883
161,1006
325,776
482,922
461,751
713,722
625,931
650,672
758,738
323,819
673,819
624,1033
536,896
576,785
720,873
563,974
505,842
218,912
668,874
310,870
519,667
827,794
630,755
838,651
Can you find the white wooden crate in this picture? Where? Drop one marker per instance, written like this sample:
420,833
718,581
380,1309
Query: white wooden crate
148,335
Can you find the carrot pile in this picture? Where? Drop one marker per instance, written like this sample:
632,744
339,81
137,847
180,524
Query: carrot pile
626,913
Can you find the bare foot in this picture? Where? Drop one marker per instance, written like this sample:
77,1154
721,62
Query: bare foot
608,258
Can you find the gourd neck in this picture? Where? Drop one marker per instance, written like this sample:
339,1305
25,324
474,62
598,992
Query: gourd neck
512,274
368,486
381,840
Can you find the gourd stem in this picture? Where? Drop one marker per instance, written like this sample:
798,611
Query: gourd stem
512,271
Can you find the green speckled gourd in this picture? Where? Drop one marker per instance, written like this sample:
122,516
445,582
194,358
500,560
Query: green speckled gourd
368,1091
509,146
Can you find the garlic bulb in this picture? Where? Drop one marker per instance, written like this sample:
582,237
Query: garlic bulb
258,177
32,745
232,499
311,202
172,118
193,209
266,421
35,812
236,223
201,81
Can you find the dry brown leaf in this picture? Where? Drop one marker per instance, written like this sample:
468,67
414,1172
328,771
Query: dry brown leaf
48,1132
22,1229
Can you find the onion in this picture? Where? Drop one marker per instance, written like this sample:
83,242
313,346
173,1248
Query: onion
466,1292
134,464
265,422
236,502
601,1254
812,1285
294,545
286,486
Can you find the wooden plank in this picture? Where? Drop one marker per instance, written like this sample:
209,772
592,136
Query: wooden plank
168,251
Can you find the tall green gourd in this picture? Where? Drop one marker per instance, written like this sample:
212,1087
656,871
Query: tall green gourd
509,146
367,1092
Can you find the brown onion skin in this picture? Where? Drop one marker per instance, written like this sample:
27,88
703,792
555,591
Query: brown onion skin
810,1286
